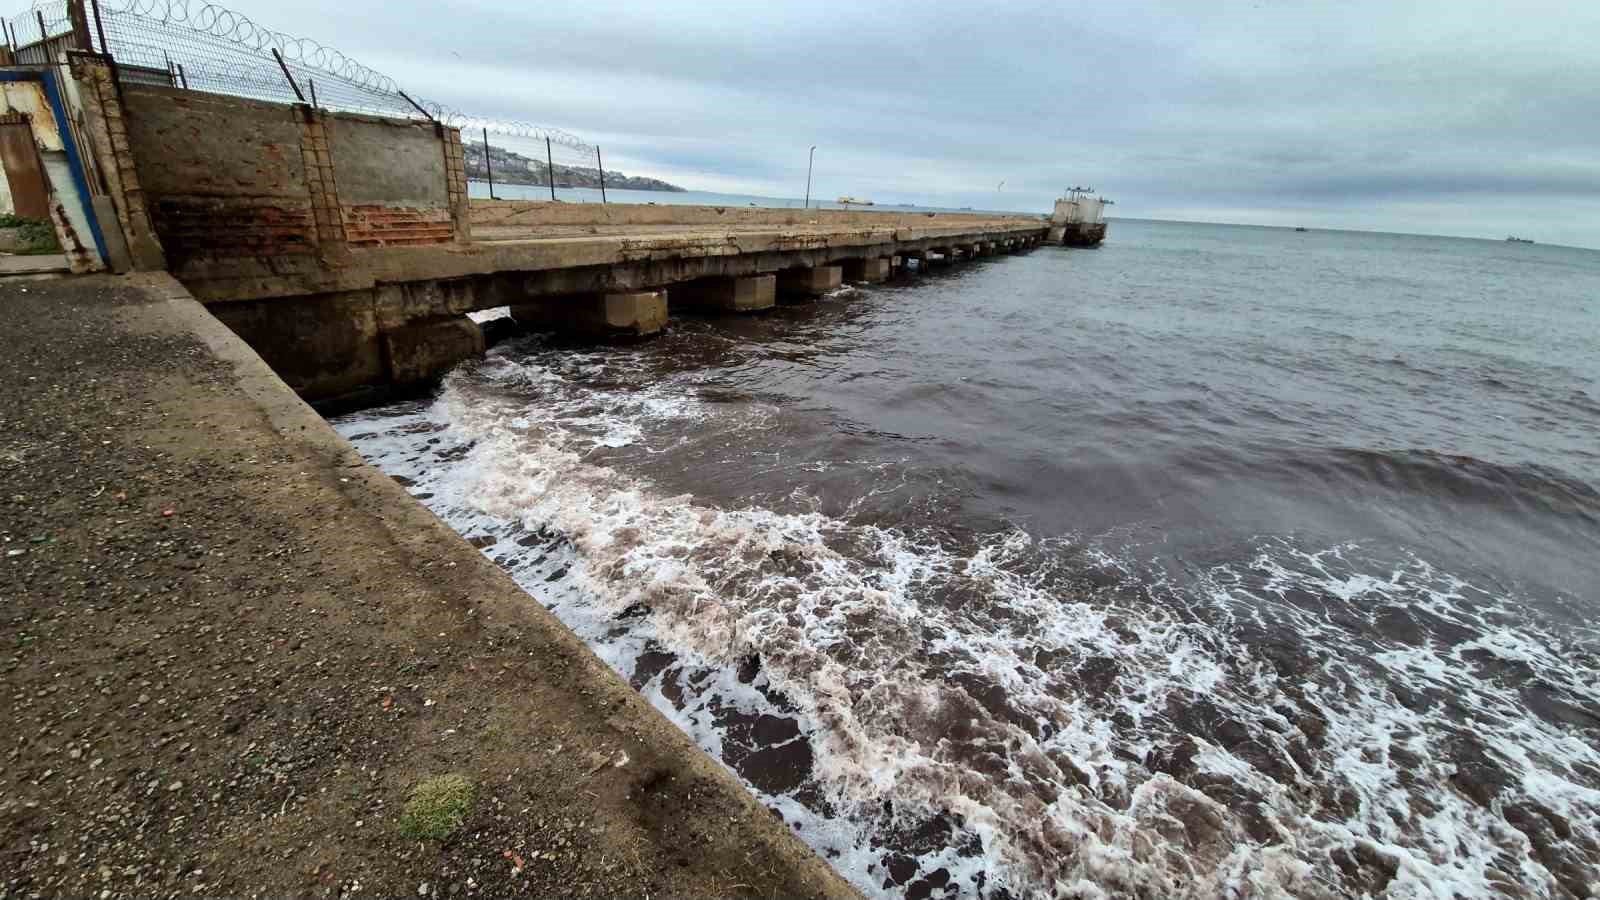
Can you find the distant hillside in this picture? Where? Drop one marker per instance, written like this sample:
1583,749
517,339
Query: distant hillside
514,168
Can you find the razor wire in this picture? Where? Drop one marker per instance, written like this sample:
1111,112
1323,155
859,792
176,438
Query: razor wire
205,47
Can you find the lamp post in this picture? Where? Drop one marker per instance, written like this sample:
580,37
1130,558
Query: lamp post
809,159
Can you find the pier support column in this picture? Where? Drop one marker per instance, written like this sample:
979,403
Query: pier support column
423,350
729,294
599,315
812,282
969,251
870,271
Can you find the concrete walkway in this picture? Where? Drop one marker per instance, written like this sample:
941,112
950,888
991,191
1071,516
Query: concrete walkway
13,264
231,650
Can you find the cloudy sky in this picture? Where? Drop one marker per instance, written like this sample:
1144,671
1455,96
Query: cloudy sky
1457,117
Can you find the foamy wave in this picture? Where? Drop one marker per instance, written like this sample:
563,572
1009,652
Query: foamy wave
972,717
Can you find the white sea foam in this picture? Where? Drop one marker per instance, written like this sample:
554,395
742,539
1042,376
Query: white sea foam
1254,731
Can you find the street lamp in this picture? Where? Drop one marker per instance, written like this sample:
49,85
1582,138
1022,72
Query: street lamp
809,159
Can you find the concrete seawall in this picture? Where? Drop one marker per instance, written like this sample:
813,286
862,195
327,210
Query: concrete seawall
239,647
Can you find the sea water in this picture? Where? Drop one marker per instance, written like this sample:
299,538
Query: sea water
1218,561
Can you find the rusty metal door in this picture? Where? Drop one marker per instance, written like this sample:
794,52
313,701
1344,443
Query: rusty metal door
29,196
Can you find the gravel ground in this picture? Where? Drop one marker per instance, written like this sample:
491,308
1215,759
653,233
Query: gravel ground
231,649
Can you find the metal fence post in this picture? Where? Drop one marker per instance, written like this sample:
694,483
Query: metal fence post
550,166
488,166
79,17
286,76
602,164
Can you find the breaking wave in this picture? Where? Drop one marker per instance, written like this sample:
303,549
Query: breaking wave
993,715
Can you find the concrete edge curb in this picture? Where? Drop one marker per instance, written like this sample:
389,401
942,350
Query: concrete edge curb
410,524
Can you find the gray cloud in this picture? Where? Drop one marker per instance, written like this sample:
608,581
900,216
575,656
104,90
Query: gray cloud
1446,117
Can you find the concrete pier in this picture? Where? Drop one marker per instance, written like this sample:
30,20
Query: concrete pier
633,314
750,294
808,283
344,248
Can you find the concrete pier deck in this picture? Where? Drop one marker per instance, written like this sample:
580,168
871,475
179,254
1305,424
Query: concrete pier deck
233,648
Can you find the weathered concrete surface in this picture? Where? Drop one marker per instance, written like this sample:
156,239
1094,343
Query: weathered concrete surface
604,255
105,128
222,175
32,265
418,351
391,181
868,271
750,294
632,314
385,162
520,219
810,282
244,185
328,345
234,647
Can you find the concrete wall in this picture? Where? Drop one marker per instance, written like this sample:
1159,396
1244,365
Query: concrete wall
391,181
222,176
232,182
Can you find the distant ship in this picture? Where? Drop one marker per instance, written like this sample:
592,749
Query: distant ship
1516,240
851,201
1299,229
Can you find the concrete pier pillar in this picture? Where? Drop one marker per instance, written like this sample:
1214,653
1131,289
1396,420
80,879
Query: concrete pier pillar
969,251
813,282
421,351
870,271
635,314
729,294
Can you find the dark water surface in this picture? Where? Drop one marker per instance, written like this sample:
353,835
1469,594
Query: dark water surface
1220,561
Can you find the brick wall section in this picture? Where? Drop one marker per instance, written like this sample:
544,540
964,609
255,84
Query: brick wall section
225,177
455,172
323,190
390,226
258,189
108,138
